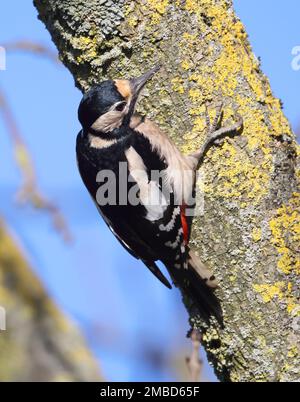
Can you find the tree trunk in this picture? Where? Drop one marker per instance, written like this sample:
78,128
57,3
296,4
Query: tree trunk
38,343
249,231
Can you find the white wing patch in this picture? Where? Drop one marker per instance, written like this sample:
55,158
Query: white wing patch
180,173
150,194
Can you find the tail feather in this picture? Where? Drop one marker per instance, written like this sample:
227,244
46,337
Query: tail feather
198,291
157,272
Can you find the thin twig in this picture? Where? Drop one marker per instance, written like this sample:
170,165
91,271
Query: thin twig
29,191
194,363
32,47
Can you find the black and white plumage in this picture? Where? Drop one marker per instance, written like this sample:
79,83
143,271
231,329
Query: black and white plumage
112,133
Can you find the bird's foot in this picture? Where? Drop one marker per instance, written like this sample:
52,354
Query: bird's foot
214,133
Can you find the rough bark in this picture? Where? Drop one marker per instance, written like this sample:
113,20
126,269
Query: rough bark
39,343
249,232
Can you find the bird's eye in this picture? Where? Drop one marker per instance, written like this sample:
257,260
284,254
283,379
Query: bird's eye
120,107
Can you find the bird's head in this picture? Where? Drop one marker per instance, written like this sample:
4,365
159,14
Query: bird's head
111,103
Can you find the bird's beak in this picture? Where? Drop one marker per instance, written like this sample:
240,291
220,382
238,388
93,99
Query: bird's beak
132,89
137,84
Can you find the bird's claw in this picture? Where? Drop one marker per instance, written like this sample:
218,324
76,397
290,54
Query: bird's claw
214,134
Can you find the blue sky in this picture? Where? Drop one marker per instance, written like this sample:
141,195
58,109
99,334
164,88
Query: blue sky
274,30
135,326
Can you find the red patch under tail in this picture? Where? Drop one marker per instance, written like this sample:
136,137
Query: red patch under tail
184,224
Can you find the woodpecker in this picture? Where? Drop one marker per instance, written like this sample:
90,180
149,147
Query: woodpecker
156,228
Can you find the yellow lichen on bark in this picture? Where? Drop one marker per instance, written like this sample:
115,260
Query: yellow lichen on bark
285,228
